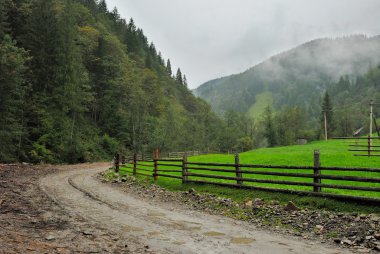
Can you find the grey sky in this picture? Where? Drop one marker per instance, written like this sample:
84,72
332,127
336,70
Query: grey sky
208,39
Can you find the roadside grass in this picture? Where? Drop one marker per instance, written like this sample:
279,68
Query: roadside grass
333,153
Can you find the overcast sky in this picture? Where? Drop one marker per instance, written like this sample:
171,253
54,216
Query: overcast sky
208,39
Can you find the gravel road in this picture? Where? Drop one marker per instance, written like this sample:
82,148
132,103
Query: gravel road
161,228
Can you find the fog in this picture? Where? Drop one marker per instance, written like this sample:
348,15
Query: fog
213,38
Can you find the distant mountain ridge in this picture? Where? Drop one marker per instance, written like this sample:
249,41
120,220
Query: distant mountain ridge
294,77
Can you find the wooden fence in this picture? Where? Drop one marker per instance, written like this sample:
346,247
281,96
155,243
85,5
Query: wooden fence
317,180
363,146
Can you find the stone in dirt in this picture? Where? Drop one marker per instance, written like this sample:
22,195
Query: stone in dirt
290,207
258,201
346,241
249,203
50,237
319,227
377,236
274,202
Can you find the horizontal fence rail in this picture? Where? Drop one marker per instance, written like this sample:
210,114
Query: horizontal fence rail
306,180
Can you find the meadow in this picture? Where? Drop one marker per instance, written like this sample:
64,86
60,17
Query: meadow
333,153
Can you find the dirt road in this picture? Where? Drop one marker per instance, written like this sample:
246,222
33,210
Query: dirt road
30,222
161,229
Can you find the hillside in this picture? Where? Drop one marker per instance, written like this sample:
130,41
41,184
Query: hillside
296,77
78,83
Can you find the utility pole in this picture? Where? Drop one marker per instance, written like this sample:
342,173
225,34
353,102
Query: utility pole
324,114
371,119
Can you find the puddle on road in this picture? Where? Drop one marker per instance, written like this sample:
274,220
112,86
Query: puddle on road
191,222
242,240
182,226
213,233
155,214
279,243
132,229
157,236
179,242
105,218
165,239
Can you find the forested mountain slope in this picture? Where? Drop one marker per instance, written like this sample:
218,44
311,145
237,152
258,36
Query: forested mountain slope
79,83
297,77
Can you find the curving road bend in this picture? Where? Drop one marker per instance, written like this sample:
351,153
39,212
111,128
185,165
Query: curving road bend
164,229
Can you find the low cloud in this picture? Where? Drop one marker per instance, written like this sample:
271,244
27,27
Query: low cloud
214,38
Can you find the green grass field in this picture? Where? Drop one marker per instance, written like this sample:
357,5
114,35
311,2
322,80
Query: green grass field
333,153
263,100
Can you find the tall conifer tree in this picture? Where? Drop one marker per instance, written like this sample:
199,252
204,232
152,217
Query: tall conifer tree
327,109
178,77
169,68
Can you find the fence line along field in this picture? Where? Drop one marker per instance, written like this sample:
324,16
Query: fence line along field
331,171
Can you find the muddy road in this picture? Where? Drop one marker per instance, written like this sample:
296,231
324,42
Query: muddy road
69,211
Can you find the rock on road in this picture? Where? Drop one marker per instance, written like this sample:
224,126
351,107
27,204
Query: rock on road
163,229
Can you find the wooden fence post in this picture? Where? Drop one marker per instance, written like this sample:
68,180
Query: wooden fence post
134,163
237,169
184,168
123,160
317,171
117,162
155,176
369,145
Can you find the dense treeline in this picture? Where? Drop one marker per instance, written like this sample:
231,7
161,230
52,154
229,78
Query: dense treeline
344,107
350,99
78,83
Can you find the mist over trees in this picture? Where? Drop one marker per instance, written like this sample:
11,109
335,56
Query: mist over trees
297,77
334,76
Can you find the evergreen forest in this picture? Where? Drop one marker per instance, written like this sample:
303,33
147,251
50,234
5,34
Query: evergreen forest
79,83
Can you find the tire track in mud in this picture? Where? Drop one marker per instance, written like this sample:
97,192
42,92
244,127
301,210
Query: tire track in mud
88,194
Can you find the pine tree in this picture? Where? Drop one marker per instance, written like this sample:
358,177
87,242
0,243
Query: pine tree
115,14
269,129
102,6
327,110
160,59
169,68
131,26
178,77
185,81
